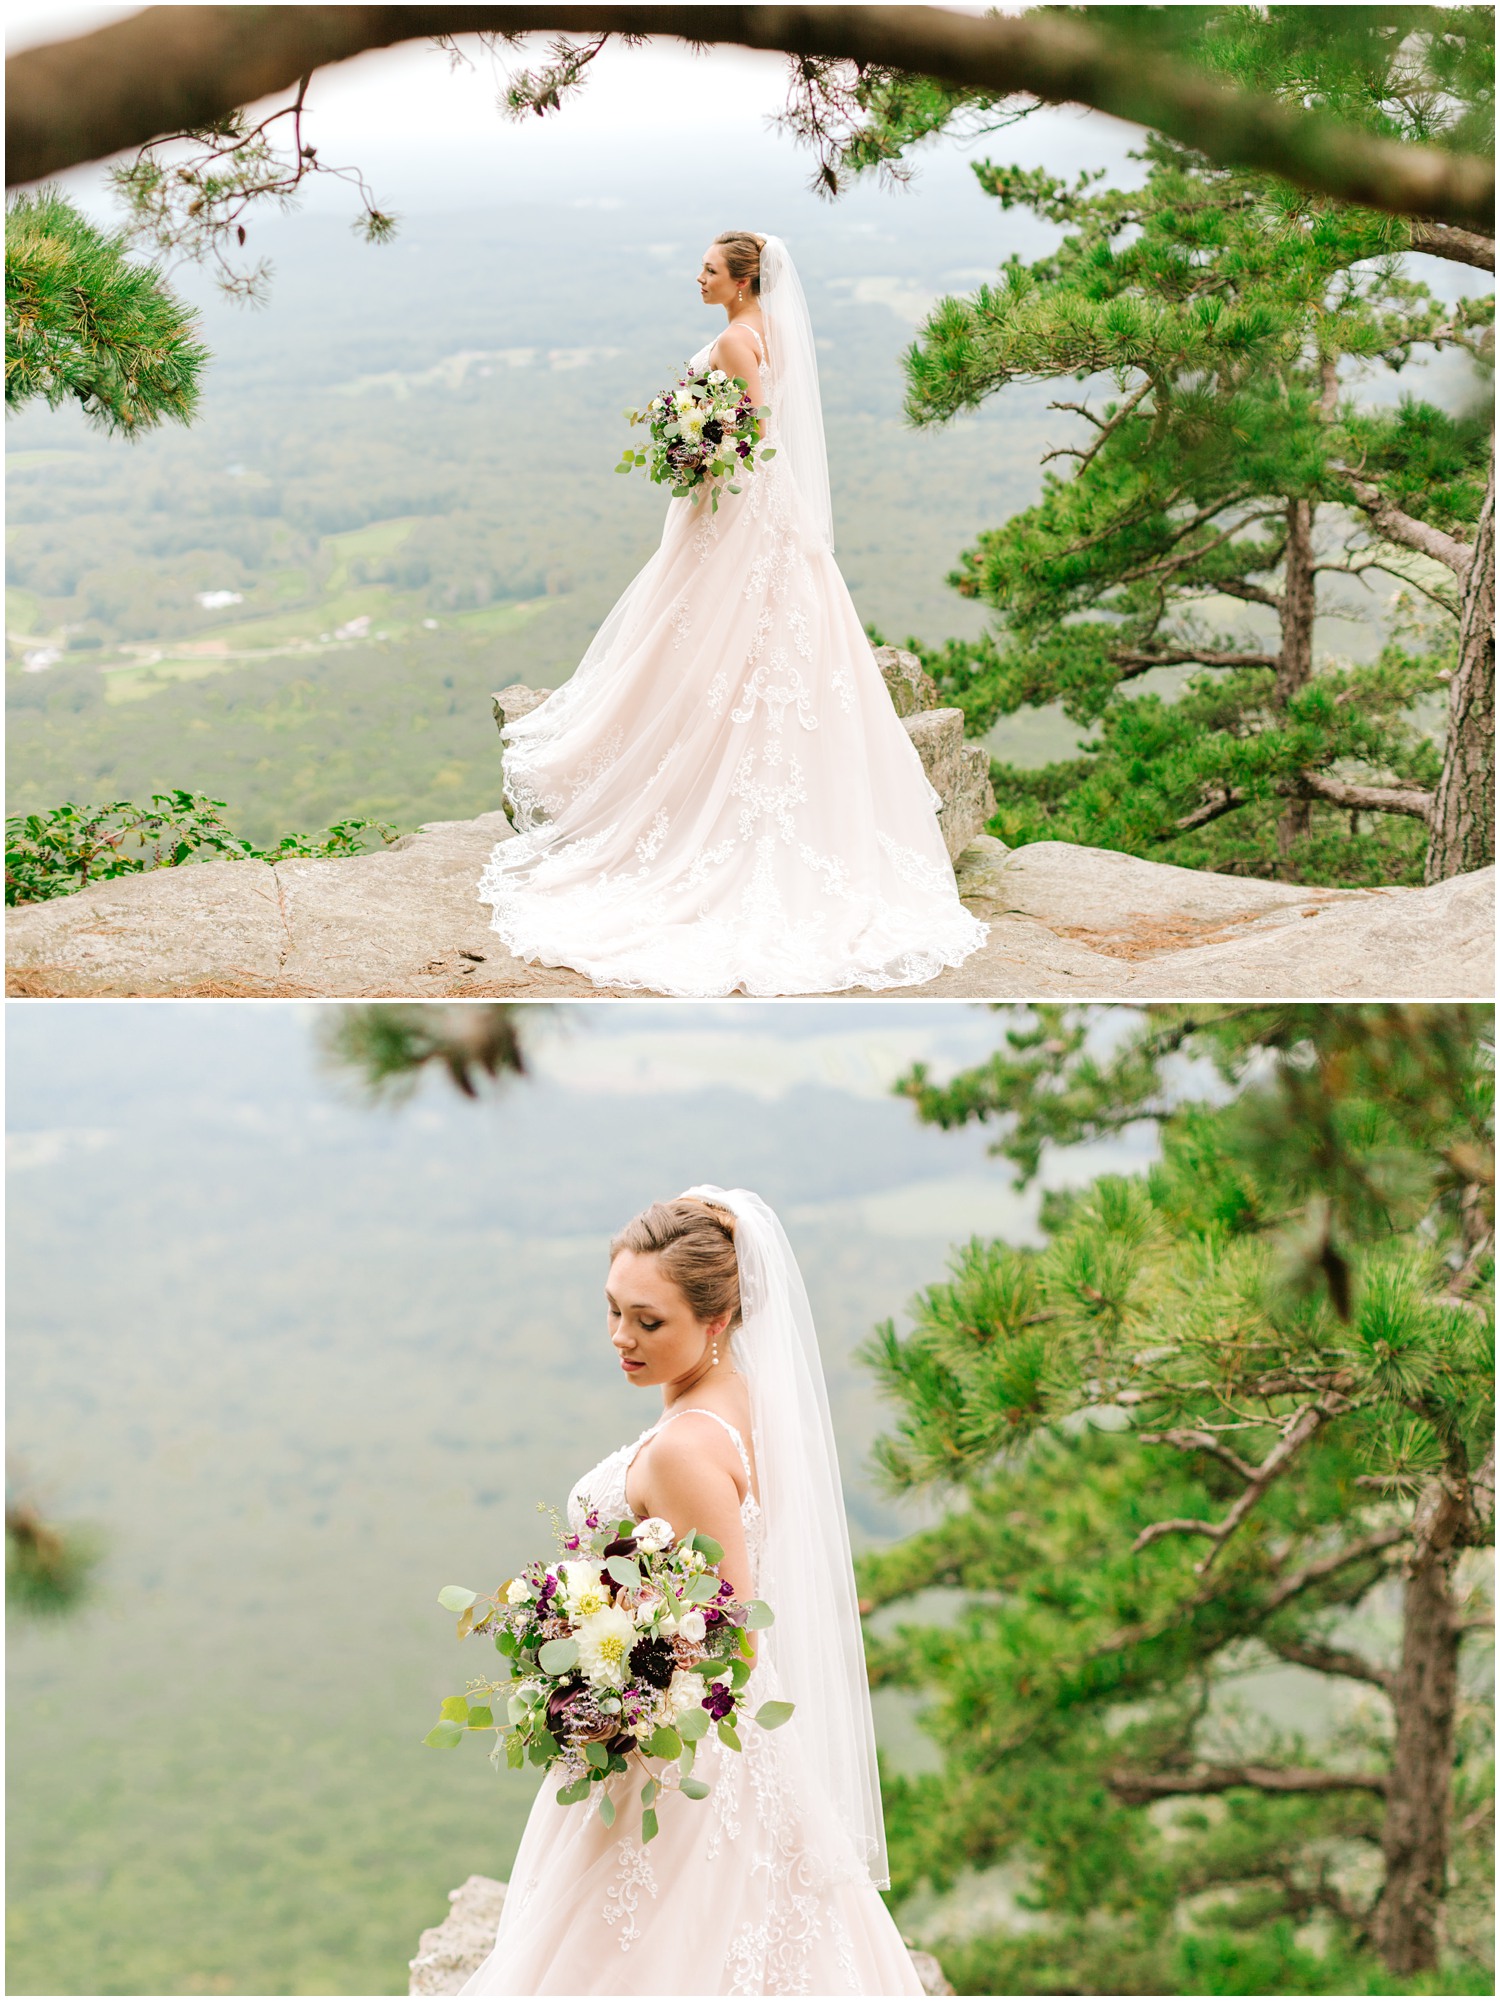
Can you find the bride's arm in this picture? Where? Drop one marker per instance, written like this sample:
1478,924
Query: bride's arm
736,355
686,1479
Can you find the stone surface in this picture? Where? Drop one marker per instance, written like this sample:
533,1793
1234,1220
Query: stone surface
912,687
959,772
1064,921
448,1953
515,701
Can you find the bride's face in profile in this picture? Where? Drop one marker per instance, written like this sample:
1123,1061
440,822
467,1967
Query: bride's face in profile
652,1328
715,285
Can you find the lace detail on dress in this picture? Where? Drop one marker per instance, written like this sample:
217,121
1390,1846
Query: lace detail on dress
633,1875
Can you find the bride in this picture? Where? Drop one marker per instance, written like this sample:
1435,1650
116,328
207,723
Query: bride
722,798
769,1886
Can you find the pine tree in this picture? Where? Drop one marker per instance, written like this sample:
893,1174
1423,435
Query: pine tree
1229,1404
1234,465
83,321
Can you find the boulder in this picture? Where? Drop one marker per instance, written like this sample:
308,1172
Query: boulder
511,703
448,1953
1064,921
958,772
912,687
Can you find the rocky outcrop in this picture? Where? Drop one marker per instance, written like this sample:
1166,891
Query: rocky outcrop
448,1953
958,772
1064,921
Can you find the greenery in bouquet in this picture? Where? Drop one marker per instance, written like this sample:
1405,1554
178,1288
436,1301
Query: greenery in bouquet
629,1647
705,432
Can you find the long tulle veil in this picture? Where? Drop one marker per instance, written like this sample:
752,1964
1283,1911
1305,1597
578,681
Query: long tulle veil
807,1572
797,400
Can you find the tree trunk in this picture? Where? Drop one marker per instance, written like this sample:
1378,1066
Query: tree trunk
1463,808
1407,1924
1298,609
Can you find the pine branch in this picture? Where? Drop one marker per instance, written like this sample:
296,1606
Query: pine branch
1211,809
1325,1567
1140,1788
1135,663
171,67
1460,246
1106,427
1398,526
1361,798
1331,1660
1303,1427
1250,593
1201,1441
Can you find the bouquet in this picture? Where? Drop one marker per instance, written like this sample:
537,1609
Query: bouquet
703,432
629,1647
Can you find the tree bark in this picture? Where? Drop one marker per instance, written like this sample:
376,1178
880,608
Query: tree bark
1407,1922
1463,809
1294,670
167,68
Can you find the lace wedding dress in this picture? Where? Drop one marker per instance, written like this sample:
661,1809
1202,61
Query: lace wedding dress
722,798
771,1884
731,1897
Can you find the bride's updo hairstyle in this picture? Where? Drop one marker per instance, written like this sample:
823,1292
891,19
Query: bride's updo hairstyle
742,248
693,1241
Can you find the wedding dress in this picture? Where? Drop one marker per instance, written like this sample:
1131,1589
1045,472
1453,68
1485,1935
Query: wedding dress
768,1886
722,797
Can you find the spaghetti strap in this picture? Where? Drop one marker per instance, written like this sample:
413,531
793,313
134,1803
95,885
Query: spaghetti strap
697,1410
744,328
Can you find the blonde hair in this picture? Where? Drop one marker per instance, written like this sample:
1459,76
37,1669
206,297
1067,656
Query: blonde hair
742,248
694,1241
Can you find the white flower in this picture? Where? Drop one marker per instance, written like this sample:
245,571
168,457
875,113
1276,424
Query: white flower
654,1533
717,375
518,1592
583,1588
684,1692
692,1625
604,1642
647,1609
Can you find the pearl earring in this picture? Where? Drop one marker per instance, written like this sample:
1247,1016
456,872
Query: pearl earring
716,1351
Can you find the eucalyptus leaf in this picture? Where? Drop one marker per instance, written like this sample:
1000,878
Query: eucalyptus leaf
693,1726
665,1743
557,1656
702,1590
454,1598
730,1736
606,1809
597,1756
624,1572
695,1789
648,1824
515,1753
771,1715
454,1708
481,1719
571,1795
648,1792
758,1615
685,1761
444,1736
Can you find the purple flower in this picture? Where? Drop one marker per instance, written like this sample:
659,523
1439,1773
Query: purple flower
726,1589
547,1594
719,1700
573,1542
